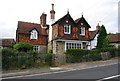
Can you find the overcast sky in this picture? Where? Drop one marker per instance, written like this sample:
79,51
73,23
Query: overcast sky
102,11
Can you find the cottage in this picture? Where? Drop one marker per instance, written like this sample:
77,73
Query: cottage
58,35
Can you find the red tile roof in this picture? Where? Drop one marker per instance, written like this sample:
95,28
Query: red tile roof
92,34
26,27
7,42
114,38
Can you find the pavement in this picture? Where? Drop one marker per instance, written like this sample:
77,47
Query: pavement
66,67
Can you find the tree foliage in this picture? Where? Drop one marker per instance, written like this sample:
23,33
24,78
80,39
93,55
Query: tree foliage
102,40
23,46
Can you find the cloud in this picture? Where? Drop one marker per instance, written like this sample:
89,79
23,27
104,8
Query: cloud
94,11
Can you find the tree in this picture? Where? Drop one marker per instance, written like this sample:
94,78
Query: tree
102,37
23,46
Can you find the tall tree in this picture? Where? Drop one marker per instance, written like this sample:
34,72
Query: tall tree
101,37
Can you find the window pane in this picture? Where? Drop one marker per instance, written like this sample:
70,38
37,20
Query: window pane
67,29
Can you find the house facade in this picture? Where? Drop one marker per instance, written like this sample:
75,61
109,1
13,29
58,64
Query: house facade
33,33
58,35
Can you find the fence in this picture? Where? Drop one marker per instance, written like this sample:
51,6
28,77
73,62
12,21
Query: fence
26,61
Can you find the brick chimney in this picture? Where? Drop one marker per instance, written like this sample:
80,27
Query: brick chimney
52,12
43,19
98,27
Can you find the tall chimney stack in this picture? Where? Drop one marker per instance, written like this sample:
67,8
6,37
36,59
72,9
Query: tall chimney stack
52,12
98,27
43,19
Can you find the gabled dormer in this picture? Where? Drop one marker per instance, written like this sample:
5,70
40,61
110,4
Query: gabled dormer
83,26
34,34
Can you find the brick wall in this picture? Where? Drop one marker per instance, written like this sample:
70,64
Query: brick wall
42,40
55,31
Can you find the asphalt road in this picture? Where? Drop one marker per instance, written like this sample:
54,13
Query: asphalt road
91,73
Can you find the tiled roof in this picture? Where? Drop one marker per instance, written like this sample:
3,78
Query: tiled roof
77,20
92,34
7,42
114,38
26,27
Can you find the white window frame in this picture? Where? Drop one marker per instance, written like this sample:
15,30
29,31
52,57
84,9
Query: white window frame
82,30
34,34
73,45
68,27
36,48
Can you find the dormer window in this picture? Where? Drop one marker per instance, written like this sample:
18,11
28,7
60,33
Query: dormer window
82,31
34,34
67,28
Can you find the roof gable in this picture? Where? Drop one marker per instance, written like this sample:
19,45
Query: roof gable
66,17
82,20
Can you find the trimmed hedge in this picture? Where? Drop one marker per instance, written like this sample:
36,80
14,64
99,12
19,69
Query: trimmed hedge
12,59
79,55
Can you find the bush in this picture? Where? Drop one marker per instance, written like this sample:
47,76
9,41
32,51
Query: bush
79,55
12,59
23,46
113,51
50,51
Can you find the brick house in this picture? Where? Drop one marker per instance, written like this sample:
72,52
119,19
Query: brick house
7,43
59,35
33,33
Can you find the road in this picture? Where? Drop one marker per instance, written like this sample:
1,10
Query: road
97,73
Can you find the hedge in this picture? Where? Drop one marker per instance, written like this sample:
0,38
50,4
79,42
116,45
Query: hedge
12,59
79,55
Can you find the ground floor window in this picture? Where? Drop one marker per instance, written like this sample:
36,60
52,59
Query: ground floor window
72,45
36,47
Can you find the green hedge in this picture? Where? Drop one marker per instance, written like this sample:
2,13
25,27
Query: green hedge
79,55
12,59
113,51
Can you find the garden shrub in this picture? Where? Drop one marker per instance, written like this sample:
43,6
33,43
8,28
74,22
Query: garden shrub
23,46
13,59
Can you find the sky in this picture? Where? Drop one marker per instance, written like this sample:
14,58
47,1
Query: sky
94,11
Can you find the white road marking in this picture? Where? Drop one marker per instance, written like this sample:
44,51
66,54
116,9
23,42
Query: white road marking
55,68
109,77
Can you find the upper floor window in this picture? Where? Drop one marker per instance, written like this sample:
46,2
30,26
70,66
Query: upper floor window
82,31
67,29
34,34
